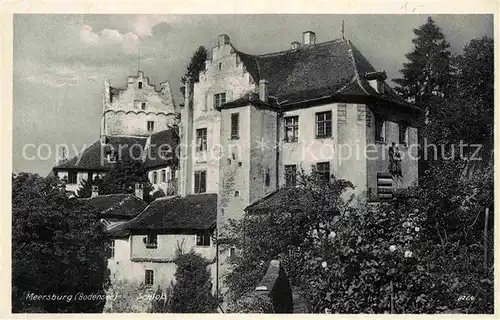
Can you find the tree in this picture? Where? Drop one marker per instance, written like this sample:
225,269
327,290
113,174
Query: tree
427,74
192,291
123,176
57,249
195,66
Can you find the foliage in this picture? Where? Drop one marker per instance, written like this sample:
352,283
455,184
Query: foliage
57,247
163,300
252,303
157,194
286,226
383,258
467,113
123,177
125,296
192,290
427,73
195,66
85,190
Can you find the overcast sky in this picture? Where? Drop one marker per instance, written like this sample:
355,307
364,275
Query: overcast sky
60,61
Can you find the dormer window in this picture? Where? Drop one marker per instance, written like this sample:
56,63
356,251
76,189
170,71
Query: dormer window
139,84
376,80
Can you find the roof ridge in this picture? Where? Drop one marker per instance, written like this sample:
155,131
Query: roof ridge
356,71
311,46
134,218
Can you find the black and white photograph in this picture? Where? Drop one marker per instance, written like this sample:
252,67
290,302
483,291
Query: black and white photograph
252,163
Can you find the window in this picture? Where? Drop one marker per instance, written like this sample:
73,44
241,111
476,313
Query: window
232,251
166,154
235,126
111,245
219,99
237,193
292,129
290,175
323,170
151,125
324,125
155,177
139,84
201,139
163,175
72,177
203,239
151,240
149,278
379,129
403,131
200,181
143,105
220,66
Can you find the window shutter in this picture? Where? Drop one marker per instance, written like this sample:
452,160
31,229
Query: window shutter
384,186
229,96
203,181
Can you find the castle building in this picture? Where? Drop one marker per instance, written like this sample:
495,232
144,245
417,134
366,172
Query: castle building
138,122
246,128
255,120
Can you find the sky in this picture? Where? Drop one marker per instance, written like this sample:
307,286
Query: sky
61,61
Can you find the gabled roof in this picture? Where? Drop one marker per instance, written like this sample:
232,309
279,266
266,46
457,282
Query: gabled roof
162,141
195,211
117,205
334,68
94,157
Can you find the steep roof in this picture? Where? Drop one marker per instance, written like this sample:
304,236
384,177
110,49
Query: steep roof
290,199
333,68
162,141
94,157
195,211
117,205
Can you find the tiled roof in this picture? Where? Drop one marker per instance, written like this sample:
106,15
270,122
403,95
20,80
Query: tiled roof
162,141
334,68
117,205
287,198
94,157
250,98
195,211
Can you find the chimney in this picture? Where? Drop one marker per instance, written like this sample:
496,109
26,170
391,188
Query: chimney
139,190
295,45
309,38
223,40
95,191
263,94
